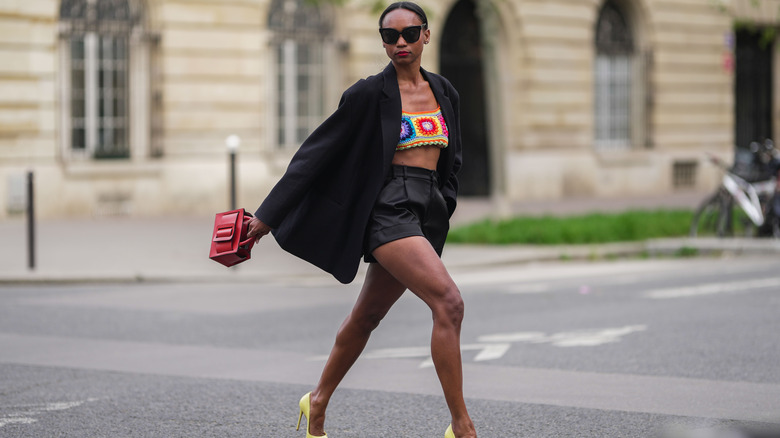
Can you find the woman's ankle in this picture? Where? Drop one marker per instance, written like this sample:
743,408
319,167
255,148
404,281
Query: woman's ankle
318,403
464,428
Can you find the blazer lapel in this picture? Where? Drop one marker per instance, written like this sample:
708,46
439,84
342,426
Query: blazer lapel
447,159
390,111
441,98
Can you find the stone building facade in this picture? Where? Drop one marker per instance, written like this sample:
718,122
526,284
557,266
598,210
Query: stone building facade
124,106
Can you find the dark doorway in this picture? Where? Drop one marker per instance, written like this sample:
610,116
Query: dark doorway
461,63
753,87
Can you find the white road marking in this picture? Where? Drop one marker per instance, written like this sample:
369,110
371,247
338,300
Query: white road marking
592,338
513,337
25,414
491,352
492,347
712,288
577,338
485,352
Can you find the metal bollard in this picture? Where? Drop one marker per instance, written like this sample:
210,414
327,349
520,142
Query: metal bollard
233,142
30,221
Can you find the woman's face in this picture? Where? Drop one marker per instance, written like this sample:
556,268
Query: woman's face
404,52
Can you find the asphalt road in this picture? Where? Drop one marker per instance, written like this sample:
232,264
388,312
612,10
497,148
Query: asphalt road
642,348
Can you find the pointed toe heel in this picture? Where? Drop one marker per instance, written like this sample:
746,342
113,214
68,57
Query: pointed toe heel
305,405
449,433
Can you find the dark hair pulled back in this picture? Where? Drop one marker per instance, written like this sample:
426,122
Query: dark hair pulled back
409,6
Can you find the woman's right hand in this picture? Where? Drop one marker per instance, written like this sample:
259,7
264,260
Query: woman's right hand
257,229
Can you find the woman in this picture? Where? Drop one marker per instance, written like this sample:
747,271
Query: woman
356,187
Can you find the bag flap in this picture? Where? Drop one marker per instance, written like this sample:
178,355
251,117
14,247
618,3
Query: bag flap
224,234
225,228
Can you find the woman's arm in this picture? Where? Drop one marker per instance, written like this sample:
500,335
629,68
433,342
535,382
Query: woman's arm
314,155
450,189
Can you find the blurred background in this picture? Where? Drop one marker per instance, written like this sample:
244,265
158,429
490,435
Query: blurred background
125,107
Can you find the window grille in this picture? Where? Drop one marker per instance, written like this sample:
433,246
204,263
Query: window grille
684,174
97,33
299,29
613,79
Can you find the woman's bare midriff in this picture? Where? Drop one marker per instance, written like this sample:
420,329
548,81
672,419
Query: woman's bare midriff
426,157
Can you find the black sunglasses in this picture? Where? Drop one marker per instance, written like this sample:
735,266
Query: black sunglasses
411,34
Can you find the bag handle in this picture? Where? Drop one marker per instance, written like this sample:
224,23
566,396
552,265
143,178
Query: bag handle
247,242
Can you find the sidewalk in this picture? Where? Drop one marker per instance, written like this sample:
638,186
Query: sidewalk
165,249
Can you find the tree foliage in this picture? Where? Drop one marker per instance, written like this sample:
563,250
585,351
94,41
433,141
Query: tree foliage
375,6
768,32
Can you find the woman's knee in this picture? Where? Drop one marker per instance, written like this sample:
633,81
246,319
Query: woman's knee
450,307
367,322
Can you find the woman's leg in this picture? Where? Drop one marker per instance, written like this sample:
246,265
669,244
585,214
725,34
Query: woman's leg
415,264
380,291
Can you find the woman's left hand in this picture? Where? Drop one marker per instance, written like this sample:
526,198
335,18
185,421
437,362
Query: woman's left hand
257,229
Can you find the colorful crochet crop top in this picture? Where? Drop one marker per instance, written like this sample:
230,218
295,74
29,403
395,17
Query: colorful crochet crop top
423,129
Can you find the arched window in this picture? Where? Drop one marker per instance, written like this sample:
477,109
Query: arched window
299,33
96,75
613,79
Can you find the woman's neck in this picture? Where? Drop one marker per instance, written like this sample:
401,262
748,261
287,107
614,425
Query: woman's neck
409,74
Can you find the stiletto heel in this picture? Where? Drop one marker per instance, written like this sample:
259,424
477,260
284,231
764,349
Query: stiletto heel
449,433
305,405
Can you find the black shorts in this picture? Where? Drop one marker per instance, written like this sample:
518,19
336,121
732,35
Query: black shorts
410,204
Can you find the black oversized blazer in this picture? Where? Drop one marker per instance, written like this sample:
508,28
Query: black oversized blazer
319,209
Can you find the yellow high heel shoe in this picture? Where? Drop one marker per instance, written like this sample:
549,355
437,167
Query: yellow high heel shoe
449,433
305,404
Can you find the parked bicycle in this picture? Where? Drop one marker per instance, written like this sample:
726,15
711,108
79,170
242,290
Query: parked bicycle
751,184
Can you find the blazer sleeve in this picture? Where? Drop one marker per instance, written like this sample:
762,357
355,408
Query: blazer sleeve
450,189
314,155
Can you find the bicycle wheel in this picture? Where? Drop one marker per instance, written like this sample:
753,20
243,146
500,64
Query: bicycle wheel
773,217
772,226
713,217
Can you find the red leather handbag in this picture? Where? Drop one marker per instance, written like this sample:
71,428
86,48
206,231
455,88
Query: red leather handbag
229,244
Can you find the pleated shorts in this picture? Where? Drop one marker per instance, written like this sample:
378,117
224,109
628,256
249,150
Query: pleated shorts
410,204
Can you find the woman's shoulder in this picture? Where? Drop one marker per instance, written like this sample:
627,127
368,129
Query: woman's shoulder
442,83
366,86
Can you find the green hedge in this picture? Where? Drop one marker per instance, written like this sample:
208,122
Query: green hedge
590,228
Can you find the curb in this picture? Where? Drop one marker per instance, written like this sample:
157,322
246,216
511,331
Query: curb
457,257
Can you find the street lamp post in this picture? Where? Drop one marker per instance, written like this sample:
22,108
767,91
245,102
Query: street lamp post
233,142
